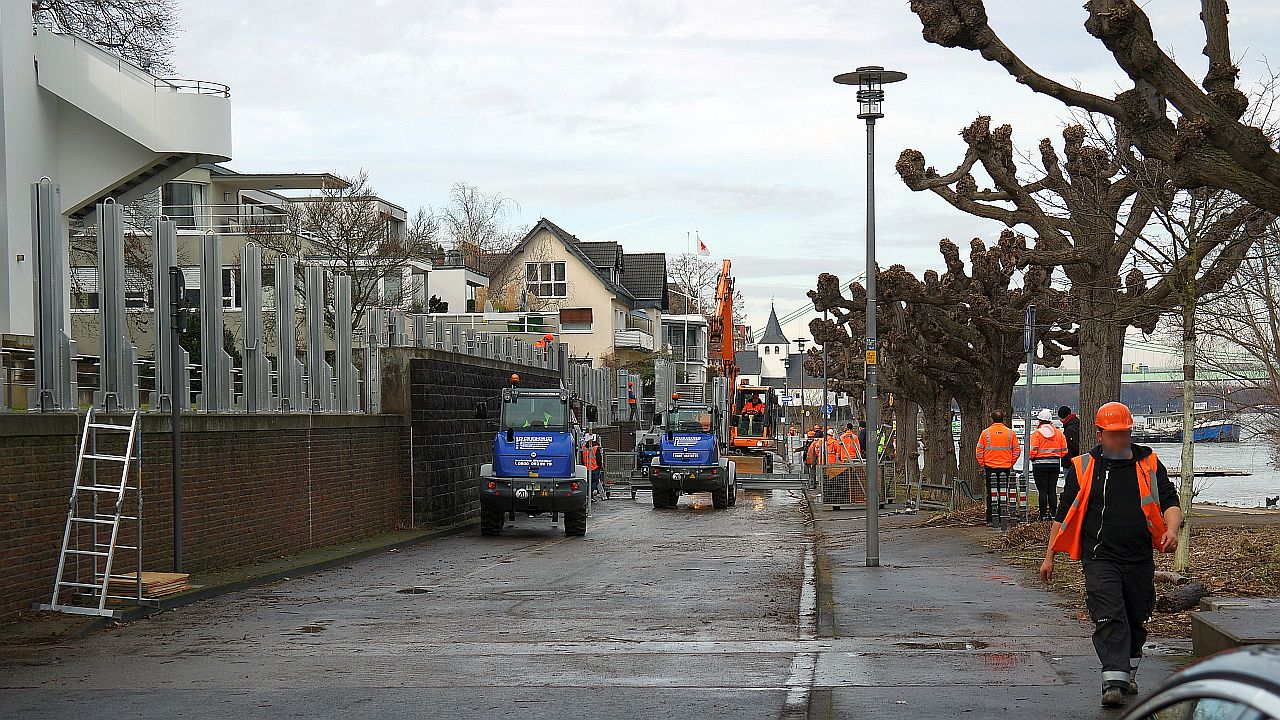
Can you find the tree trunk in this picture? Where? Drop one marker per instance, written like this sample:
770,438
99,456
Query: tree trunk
1101,349
908,450
939,446
972,423
1186,490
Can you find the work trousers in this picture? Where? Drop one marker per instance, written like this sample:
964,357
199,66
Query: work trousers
998,479
1120,598
1046,476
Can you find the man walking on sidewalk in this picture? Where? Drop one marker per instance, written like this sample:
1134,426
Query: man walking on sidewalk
1117,506
1070,430
997,451
1048,447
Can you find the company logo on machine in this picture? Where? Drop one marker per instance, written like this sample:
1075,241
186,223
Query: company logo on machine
687,440
533,442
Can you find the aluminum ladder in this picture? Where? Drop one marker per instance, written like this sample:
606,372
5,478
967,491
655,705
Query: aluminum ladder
95,512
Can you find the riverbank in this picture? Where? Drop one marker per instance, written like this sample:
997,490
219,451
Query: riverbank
1234,553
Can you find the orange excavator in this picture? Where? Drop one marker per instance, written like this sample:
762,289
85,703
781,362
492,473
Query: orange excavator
753,410
720,327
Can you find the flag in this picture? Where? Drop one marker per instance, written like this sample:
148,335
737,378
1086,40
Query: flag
702,248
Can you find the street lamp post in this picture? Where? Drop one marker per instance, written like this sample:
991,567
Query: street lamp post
803,415
870,80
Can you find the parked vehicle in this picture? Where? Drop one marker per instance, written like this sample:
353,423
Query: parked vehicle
690,457
535,468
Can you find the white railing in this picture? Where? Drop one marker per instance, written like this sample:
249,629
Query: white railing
228,219
634,339
195,87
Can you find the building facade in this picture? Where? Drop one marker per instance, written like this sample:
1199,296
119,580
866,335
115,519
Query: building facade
609,302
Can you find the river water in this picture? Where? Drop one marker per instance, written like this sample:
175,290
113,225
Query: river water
1250,455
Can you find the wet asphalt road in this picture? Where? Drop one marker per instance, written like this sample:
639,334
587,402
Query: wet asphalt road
655,614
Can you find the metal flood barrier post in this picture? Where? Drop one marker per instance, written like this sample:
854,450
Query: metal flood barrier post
420,330
288,367
373,329
55,381
118,373
396,330
257,366
164,233
215,363
319,374
345,375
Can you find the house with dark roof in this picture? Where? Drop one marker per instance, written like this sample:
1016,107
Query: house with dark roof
609,301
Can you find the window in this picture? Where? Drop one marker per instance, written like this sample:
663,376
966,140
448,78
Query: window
546,279
85,290
576,319
231,288
766,349
184,203
393,290
268,287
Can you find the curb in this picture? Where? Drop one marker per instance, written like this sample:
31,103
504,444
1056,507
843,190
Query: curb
826,617
212,591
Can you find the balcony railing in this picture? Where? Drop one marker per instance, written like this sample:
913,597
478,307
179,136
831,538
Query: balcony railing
195,87
228,219
633,340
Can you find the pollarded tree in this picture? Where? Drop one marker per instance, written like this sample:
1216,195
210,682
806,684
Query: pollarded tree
1205,132
1086,215
899,372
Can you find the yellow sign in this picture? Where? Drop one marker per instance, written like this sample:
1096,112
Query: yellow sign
871,357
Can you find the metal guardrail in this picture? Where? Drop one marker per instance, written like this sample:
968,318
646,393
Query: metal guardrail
196,87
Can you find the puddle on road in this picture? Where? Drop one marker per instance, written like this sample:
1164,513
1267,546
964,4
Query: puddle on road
947,645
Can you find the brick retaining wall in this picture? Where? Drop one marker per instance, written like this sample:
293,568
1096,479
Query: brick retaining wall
254,487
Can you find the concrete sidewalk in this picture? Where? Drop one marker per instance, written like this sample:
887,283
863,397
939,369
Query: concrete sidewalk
953,629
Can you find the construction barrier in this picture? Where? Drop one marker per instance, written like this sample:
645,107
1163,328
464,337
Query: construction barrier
844,485
617,474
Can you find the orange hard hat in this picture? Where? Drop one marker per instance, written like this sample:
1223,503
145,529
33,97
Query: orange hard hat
514,378
1114,416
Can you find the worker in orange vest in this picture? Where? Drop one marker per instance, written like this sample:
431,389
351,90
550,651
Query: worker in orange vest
828,450
1117,507
997,451
591,461
631,399
1048,447
849,439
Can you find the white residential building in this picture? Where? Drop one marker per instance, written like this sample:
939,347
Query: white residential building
97,126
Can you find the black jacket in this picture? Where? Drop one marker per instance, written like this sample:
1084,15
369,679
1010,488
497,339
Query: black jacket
1114,527
1071,428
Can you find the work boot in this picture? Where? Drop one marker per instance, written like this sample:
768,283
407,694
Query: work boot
1131,688
1113,695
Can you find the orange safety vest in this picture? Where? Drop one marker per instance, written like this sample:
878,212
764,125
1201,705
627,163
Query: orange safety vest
749,407
1068,540
852,447
835,451
591,457
998,447
1048,447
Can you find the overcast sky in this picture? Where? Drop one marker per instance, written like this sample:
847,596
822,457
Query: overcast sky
641,121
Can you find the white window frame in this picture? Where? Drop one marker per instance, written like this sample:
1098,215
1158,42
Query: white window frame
541,276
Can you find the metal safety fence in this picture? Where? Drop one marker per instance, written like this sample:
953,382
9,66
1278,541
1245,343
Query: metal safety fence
844,485
280,377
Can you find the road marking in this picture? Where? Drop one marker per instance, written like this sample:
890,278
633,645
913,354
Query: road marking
804,665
